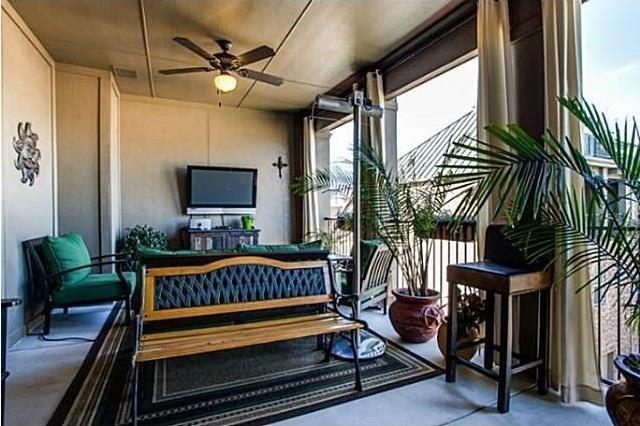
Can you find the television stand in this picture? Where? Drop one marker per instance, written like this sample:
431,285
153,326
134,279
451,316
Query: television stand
223,239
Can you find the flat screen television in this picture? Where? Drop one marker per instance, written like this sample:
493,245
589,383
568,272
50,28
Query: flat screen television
221,190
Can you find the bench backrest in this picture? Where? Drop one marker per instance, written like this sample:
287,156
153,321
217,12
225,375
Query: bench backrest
236,284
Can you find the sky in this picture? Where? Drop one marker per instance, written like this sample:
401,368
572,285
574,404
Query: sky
611,79
427,108
611,56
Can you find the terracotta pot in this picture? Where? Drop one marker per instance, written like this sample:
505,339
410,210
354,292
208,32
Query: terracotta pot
623,398
466,353
415,318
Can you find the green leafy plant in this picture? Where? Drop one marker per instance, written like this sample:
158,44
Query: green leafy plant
471,313
529,178
143,236
403,213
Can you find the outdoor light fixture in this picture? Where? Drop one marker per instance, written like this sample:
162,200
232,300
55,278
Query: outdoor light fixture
225,82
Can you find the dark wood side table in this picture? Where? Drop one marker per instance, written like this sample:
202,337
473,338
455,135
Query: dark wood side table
6,304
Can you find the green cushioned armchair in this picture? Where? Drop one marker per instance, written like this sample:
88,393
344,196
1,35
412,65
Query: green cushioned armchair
60,275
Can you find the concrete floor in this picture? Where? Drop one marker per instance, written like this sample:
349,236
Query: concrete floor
41,372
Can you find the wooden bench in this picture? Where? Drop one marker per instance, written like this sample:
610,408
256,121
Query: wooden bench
238,285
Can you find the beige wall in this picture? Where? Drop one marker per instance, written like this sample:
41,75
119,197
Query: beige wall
78,124
88,107
28,94
159,138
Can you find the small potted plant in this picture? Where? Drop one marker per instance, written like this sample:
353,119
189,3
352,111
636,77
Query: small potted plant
248,222
471,311
142,236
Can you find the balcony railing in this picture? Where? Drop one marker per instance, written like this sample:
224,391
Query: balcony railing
338,236
614,335
447,247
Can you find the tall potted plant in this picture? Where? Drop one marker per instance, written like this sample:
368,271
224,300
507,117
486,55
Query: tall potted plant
528,178
404,214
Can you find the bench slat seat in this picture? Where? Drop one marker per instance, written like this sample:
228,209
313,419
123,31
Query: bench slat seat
191,342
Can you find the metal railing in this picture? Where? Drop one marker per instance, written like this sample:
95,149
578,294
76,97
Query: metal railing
338,236
447,247
614,335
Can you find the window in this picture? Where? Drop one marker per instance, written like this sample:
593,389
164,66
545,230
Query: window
611,81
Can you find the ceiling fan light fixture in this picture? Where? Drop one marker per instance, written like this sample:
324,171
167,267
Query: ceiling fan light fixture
225,82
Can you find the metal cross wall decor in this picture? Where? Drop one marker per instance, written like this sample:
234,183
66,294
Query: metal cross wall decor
29,155
280,165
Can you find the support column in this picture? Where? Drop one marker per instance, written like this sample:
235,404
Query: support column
391,159
323,161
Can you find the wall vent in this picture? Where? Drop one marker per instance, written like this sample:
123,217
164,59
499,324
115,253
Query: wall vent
124,72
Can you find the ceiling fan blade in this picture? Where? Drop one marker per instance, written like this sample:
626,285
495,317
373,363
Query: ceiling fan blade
185,70
255,55
193,47
260,76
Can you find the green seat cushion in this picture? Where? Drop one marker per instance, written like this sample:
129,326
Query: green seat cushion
92,288
65,252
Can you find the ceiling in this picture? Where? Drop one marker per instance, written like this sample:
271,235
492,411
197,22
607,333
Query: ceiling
318,43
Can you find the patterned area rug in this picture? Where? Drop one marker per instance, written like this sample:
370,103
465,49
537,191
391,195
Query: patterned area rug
255,385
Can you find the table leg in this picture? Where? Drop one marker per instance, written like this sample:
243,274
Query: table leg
452,333
488,346
506,341
543,342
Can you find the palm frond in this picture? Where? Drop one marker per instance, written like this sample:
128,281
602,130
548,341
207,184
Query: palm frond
528,177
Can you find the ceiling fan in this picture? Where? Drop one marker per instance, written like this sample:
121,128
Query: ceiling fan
227,64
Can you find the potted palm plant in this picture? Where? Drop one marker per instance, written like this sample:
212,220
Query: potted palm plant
404,215
528,177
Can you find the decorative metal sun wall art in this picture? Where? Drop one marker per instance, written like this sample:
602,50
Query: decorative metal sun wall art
28,161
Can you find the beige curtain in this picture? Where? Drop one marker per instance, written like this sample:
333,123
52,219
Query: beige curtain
375,92
310,216
495,83
574,367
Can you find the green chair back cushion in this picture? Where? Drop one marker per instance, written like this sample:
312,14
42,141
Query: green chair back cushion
149,251
64,252
311,245
250,248
367,248
279,248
